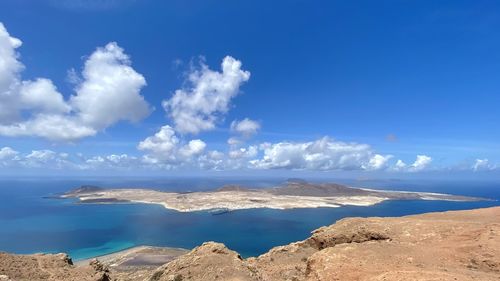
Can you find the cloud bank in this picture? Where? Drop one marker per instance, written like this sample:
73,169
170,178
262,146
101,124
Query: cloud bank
165,152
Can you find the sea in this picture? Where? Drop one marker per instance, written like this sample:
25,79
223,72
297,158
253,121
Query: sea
32,221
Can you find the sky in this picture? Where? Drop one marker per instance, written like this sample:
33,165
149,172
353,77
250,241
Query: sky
204,87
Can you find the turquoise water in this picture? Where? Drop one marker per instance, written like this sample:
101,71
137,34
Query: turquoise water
31,223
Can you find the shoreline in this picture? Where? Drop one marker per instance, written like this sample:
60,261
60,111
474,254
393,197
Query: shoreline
136,257
86,260
292,195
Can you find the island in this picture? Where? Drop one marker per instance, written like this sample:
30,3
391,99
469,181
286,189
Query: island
290,195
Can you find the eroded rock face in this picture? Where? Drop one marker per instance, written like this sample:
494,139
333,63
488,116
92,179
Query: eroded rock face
210,261
462,245
440,246
353,230
46,267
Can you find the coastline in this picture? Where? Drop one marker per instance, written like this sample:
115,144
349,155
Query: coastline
136,257
86,260
292,195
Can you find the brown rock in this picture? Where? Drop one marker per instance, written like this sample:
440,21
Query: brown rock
462,245
45,267
440,246
210,261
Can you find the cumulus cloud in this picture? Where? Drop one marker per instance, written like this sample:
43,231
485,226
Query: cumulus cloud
421,163
165,147
9,72
400,165
212,160
52,127
199,107
322,154
108,92
42,95
163,142
245,127
377,162
194,147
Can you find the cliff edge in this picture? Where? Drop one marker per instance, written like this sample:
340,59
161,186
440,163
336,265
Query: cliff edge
456,245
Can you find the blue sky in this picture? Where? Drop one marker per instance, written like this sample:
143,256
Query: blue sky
378,88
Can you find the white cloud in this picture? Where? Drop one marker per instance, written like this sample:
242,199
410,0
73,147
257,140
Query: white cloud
108,93
378,162
483,165
10,66
9,72
41,155
8,156
194,147
112,161
165,147
244,152
162,143
212,160
198,108
43,96
73,77
46,159
421,163
245,127
49,159
400,165
322,154
234,141
52,127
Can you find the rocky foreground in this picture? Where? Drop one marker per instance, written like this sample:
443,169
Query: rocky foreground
460,245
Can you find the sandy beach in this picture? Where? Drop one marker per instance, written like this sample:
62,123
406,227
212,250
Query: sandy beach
139,257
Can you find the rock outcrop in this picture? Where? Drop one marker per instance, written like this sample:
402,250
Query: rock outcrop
460,245
210,261
50,267
463,245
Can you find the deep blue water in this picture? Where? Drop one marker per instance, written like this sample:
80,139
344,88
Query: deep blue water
31,223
